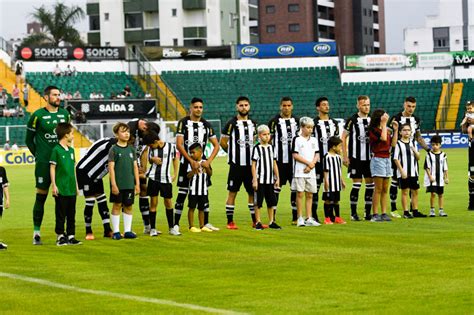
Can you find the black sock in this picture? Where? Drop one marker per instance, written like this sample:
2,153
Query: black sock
206,216
38,211
252,212
88,208
277,196
229,211
327,214
179,205
471,192
294,213
314,206
336,210
354,197
104,212
393,194
144,205
169,217
153,219
369,192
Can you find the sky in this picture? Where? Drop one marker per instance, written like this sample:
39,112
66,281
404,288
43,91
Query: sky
399,14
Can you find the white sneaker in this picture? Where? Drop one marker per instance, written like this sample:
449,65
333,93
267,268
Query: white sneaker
147,230
432,213
300,222
153,232
175,230
211,227
442,213
311,222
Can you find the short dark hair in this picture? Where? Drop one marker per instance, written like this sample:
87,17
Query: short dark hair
152,126
48,89
405,125
150,138
410,99
436,139
118,126
469,103
285,99
362,97
195,146
62,129
333,141
196,100
242,98
320,100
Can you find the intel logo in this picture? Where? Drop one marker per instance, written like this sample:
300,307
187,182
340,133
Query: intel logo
322,48
249,51
285,50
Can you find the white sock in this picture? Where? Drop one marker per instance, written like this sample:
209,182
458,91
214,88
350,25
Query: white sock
127,222
115,223
70,237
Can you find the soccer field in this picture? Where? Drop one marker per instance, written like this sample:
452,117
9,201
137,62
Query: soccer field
404,266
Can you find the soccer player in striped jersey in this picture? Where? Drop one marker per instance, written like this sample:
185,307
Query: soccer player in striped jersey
333,182
238,136
264,177
324,128
283,128
436,175
162,157
356,156
90,170
405,117
41,139
198,188
192,129
406,158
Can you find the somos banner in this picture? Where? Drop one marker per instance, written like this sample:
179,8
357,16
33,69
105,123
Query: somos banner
105,109
158,53
70,53
314,49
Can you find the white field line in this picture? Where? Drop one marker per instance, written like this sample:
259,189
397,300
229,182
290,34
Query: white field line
118,295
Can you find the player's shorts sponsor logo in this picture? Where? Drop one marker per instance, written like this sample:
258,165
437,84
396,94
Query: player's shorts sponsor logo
285,50
249,51
322,49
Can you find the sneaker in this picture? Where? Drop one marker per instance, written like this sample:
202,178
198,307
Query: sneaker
368,217
259,226
147,230
418,214
395,214
154,232
385,217
355,217
73,241
212,227
442,213
206,229
432,213
265,226
311,222
407,215
37,240
174,232
232,226
328,221
90,237
376,218
470,207
3,246
61,241
108,233
194,229
129,235
339,220
300,222
274,226
117,236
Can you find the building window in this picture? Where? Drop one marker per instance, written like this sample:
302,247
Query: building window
271,29
365,30
174,12
370,31
133,20
195,42
106,16
370,12
441,39
415,43
94,23
270,9
175,42
293,7
365,12
107,44
293,27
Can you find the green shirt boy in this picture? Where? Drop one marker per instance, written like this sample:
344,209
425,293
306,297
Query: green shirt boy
63,158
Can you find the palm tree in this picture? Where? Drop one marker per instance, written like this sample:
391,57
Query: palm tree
57,26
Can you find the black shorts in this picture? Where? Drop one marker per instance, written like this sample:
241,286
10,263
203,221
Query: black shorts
334,196
267,192
238,175
87,186
142,181
285,171
409,183
319,173
126,197
199,202
359,169
155,188
439,190
183,180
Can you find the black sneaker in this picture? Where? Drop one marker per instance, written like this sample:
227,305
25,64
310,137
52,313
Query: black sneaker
407,215
385,217
274,226
259,226
355,217
37,240
3,246
368,217
418,214
62,241
73,241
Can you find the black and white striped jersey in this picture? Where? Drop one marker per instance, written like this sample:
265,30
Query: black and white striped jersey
95,162
437,163
241,134
263,155
332,164
198,183
405,155
414,122
162,172
283,130
323,130
357,129
194,132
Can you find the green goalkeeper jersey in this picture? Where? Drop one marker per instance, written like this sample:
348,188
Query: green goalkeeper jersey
41,135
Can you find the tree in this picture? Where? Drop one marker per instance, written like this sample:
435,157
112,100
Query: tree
57,26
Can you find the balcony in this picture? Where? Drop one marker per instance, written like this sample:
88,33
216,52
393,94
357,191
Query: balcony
194,4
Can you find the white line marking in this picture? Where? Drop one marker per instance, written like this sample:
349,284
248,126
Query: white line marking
118,295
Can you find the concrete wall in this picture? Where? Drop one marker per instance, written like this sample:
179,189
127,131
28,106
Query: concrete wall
112,31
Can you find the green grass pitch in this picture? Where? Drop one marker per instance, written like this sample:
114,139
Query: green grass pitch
405,266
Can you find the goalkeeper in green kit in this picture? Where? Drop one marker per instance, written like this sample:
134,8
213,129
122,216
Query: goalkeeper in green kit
41,139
